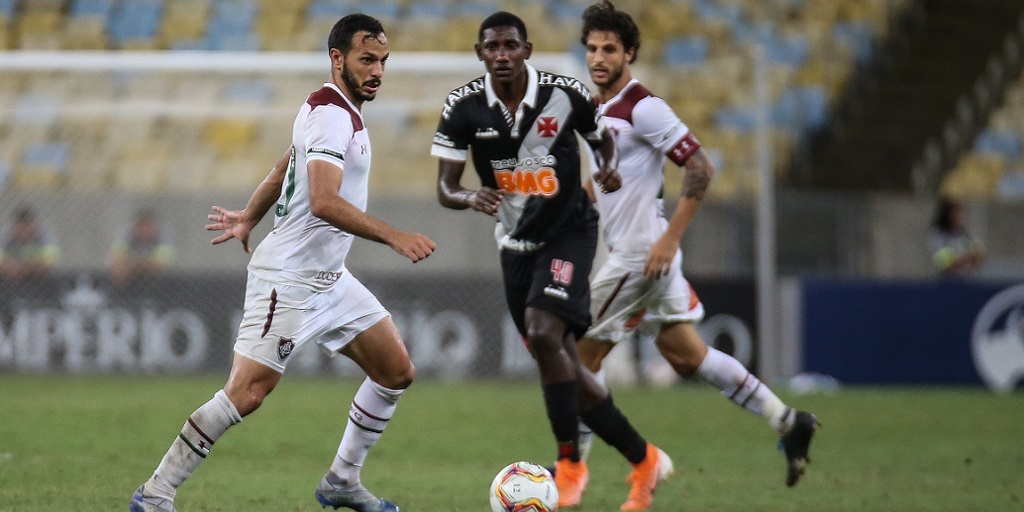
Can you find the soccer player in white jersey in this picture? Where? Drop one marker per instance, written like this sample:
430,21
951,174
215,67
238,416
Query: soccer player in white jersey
299,290
642,280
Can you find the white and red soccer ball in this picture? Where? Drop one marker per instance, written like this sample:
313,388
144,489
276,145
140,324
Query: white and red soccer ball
523,487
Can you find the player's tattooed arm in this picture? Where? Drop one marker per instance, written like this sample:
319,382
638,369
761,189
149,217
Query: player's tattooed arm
695,184
698,175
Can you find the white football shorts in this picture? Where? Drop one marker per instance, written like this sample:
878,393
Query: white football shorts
622,299
279,318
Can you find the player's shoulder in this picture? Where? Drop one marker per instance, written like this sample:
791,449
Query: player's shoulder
459,95
564,82
636,99
330,97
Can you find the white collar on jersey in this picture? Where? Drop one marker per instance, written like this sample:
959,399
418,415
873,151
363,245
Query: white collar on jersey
529,100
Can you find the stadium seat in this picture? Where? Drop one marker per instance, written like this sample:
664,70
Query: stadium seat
43,165
85,33
738,118
230,137
685,51
91,8
857,36
1006,143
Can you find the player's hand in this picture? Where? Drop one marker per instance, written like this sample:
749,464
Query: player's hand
659,259
608,180
486,200
232,223
413,246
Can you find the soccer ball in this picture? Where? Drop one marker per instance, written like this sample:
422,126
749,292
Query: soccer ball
523,487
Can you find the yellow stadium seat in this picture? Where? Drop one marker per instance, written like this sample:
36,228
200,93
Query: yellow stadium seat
229,137
85,34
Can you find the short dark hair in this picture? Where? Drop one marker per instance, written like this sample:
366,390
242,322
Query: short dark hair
345,28
605,17
502,19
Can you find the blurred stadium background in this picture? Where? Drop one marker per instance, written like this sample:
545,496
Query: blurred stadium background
835,125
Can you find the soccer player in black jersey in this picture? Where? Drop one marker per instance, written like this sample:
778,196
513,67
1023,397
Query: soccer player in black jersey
521,125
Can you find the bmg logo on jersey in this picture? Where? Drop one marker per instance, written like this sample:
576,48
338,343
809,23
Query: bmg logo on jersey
528,182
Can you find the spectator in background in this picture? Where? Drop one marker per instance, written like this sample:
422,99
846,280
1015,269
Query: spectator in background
142,250
28,249
954,251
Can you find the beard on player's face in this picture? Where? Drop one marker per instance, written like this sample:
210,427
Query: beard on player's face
353,84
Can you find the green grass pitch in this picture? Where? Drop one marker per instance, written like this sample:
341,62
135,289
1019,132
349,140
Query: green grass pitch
85,443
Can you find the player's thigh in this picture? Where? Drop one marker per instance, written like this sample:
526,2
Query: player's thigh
559,283
618,295
275,319
674,300
381,353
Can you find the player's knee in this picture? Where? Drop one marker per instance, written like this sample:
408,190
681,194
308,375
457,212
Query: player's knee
248,398
399,379
543,342
684,362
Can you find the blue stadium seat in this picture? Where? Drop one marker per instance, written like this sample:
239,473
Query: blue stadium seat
249,91
328,9
385,10
712,11
567,11
428,10
801,109
51,155
1003,142
685,51
475,8
788,51
858,36
737,118
138,19
91,8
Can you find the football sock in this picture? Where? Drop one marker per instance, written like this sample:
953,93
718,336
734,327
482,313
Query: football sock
192,445
608,422
368,416
586,436
562,404
742,387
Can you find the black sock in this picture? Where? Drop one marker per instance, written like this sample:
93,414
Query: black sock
560,400
608,422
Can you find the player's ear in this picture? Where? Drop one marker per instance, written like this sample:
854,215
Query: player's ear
528,47
337,58
478,49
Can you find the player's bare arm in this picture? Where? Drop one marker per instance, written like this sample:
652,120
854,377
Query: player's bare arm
325,203
697,177
239,223
607,155
451,193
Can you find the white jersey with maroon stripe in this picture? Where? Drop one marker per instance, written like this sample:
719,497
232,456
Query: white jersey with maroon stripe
302,249
646,131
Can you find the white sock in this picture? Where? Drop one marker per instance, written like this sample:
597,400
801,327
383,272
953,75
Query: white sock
368,416
192,445
742,387
586,436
